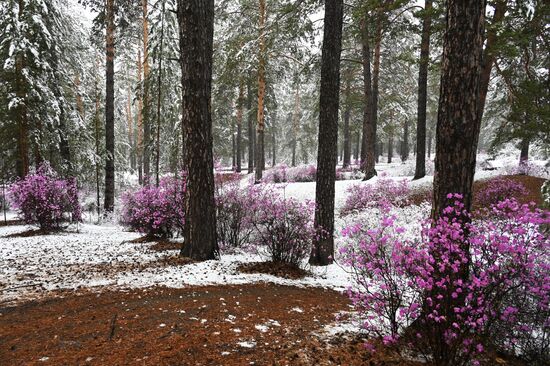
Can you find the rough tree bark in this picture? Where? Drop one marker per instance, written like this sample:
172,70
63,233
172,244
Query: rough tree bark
146,99
524,151
109,199
420,167
457,119
140,120
489,55
375,79
405,142
259,154
196,30
368,143
274,139
240,106
130,125
159,94
347,135
323,245
21,114
295,123
250,129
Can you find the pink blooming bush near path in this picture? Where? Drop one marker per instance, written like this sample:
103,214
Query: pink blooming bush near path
384,191
155,211
490,288
45,199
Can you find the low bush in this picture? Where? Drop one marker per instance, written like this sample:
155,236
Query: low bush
499,189
384,191
155,211
284,231
46,200
463,293
234,217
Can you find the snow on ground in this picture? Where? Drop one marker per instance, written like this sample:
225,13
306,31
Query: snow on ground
102,255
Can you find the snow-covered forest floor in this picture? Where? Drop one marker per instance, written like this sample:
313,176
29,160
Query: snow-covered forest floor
90,255
82,295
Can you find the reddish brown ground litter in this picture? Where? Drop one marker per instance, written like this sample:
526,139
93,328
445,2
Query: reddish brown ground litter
163,326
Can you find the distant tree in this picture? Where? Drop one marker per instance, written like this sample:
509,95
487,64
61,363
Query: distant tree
196,27
323,245
420,167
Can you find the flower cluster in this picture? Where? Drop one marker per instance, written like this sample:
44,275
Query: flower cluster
46,200
156,211
383,192
499,189
465,285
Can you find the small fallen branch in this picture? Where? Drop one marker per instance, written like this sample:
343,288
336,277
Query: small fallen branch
113,323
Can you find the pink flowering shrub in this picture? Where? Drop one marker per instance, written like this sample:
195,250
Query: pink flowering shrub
155,211
499,189
282,173
461,292
234,216
384,191
283,228
45,199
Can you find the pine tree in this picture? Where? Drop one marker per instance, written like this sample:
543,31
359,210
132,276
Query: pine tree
196,25
323,246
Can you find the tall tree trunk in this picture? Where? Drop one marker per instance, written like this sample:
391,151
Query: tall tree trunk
21,116
357,146
390,146
274,139
368,143
323,246
295,122
457,136
130,126
347,137
97,121
376,76
159,94
140,132
430,139
196,30
405,143
261,94
489,55
109,199
250,129
524,152
420,168
240,106
457,122
146,99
